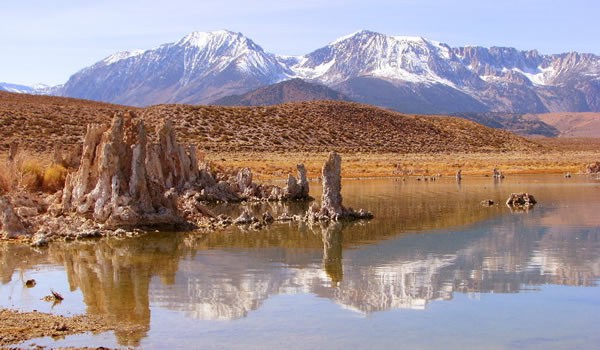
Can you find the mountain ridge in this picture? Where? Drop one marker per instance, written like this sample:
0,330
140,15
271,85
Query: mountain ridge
408,74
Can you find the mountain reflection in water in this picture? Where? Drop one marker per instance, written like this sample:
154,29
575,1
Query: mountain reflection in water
425,244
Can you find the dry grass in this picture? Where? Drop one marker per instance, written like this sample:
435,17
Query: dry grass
32,173
359,165
54,178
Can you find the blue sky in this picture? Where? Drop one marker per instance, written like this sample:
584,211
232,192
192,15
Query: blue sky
47,41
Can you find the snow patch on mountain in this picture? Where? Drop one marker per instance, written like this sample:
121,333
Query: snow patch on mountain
539,77
119,56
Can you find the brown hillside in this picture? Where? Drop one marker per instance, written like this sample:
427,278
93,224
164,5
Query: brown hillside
38,122
571,124
325,125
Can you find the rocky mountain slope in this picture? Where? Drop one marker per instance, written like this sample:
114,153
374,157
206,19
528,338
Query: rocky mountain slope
293,90
37,123
408,74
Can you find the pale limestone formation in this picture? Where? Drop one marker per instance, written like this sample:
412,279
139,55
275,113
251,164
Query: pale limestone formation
331,201
123,181
11,225
239,187
303,181
297,189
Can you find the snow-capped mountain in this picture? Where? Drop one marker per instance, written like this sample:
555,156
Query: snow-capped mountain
394,58
409,74
38,89
413,74
199,68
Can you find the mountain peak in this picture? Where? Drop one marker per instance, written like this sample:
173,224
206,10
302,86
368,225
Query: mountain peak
201,39
121,56
358,34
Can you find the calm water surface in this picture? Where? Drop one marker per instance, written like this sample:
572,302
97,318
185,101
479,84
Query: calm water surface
433,270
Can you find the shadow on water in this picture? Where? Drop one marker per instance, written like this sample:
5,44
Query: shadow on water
426,243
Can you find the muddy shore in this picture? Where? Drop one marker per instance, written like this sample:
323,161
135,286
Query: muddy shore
17,327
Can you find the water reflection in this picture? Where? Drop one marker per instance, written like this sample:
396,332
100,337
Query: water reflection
332,251
389,263
114,277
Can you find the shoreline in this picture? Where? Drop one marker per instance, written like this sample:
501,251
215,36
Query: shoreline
18,326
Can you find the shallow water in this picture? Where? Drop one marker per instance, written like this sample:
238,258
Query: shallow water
433,270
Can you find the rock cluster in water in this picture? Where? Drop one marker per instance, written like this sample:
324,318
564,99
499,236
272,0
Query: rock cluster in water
125,181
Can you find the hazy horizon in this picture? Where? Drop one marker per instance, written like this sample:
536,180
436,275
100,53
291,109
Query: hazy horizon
48,42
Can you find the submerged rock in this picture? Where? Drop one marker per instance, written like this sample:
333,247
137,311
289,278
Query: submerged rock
487,203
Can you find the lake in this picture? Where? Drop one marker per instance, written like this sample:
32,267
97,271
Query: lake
434,270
